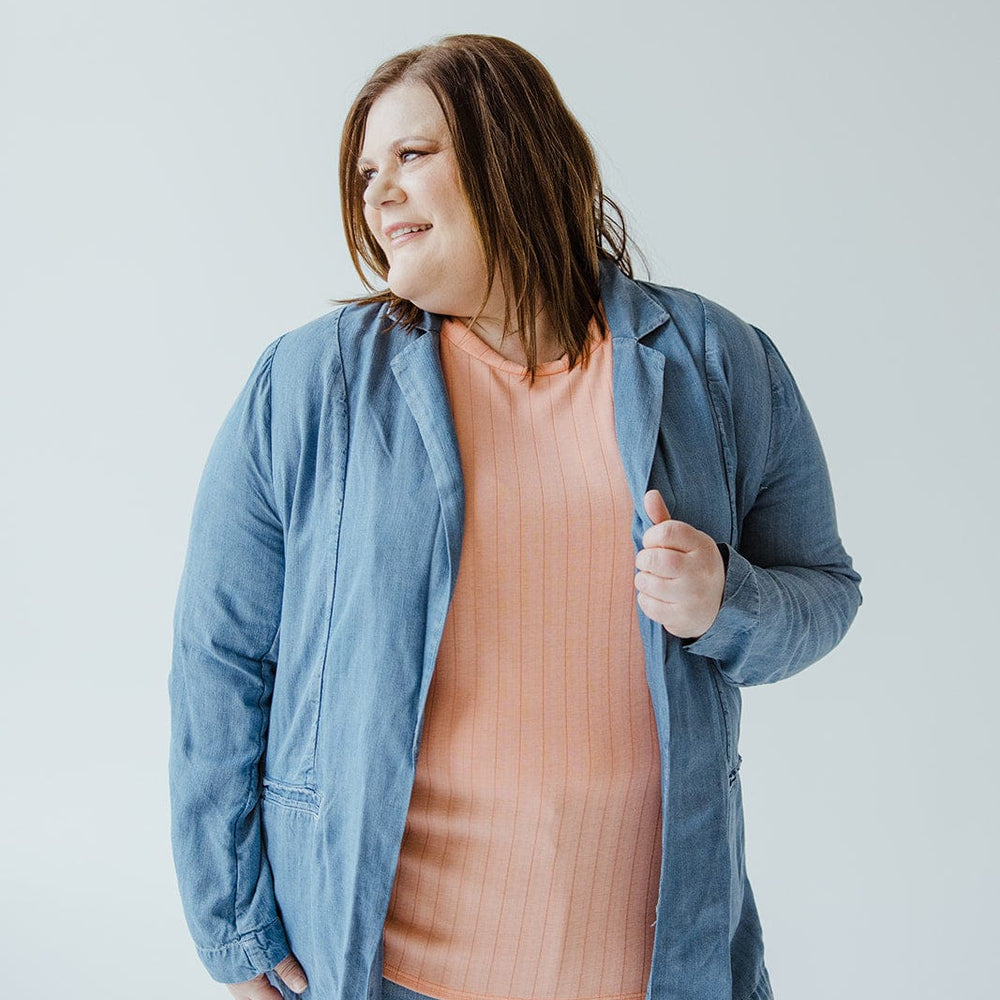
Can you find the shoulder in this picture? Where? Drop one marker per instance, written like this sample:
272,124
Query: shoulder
741,368
312,354
302,350
743,357
726,340
741,371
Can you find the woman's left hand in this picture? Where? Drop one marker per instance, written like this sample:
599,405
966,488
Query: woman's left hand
682,576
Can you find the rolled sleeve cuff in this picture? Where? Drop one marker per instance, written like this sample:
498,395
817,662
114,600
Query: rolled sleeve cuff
249,956
729,636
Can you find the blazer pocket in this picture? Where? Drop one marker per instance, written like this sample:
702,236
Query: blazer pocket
730,709
735,771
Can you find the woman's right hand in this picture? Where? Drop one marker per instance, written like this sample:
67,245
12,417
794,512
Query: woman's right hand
258,988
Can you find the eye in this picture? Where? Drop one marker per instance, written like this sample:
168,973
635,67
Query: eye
368,173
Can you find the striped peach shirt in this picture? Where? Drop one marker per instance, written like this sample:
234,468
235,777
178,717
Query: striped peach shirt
530,861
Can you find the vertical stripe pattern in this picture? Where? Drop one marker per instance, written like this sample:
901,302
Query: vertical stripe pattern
530,861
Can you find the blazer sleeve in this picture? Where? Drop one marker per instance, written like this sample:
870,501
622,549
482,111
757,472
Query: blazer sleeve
225,637
791,591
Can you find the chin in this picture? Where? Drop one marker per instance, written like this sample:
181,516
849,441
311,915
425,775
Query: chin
406,287
445,296
420,295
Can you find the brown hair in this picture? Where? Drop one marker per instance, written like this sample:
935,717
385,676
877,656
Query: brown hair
517,144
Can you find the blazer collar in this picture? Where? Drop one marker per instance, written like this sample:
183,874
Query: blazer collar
631,310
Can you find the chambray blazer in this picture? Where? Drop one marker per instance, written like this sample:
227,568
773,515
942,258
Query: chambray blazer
323,553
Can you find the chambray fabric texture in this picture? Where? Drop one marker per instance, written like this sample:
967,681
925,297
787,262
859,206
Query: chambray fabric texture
394,991
323,551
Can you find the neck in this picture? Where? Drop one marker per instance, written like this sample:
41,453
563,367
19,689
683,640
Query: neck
490,329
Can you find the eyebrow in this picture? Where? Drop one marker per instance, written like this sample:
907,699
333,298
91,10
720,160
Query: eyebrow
398,143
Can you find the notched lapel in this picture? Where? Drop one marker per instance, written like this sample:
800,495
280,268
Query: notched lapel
417,369
637,379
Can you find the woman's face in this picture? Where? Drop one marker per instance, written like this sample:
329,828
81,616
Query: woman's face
412,180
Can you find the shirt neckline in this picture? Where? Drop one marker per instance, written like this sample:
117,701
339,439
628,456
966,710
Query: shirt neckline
459,335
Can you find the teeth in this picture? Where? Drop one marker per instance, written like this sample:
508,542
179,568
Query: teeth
410,229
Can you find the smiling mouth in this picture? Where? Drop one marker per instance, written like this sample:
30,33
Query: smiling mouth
403,235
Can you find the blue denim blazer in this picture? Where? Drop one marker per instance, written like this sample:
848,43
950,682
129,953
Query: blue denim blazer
323,553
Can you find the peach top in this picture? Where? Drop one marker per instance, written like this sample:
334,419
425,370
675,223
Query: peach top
530,861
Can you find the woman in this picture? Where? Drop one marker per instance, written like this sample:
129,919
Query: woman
478,566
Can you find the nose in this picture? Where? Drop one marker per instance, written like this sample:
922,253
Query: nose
382,189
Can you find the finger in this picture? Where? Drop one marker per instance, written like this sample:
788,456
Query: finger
662,612
671,534
655,506
668,563
254,989
292,973
655,586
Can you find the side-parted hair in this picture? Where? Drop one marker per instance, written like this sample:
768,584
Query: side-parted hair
529,173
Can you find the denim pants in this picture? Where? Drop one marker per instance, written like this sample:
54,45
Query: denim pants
390,990
393,991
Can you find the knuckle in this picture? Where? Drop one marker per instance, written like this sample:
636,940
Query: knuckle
668,562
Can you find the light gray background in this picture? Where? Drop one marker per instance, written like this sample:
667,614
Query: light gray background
826,170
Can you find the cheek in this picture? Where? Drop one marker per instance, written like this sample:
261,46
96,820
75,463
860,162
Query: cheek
463,236
370,221
455,212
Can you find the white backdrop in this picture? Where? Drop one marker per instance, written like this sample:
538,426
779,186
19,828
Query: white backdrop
169,205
